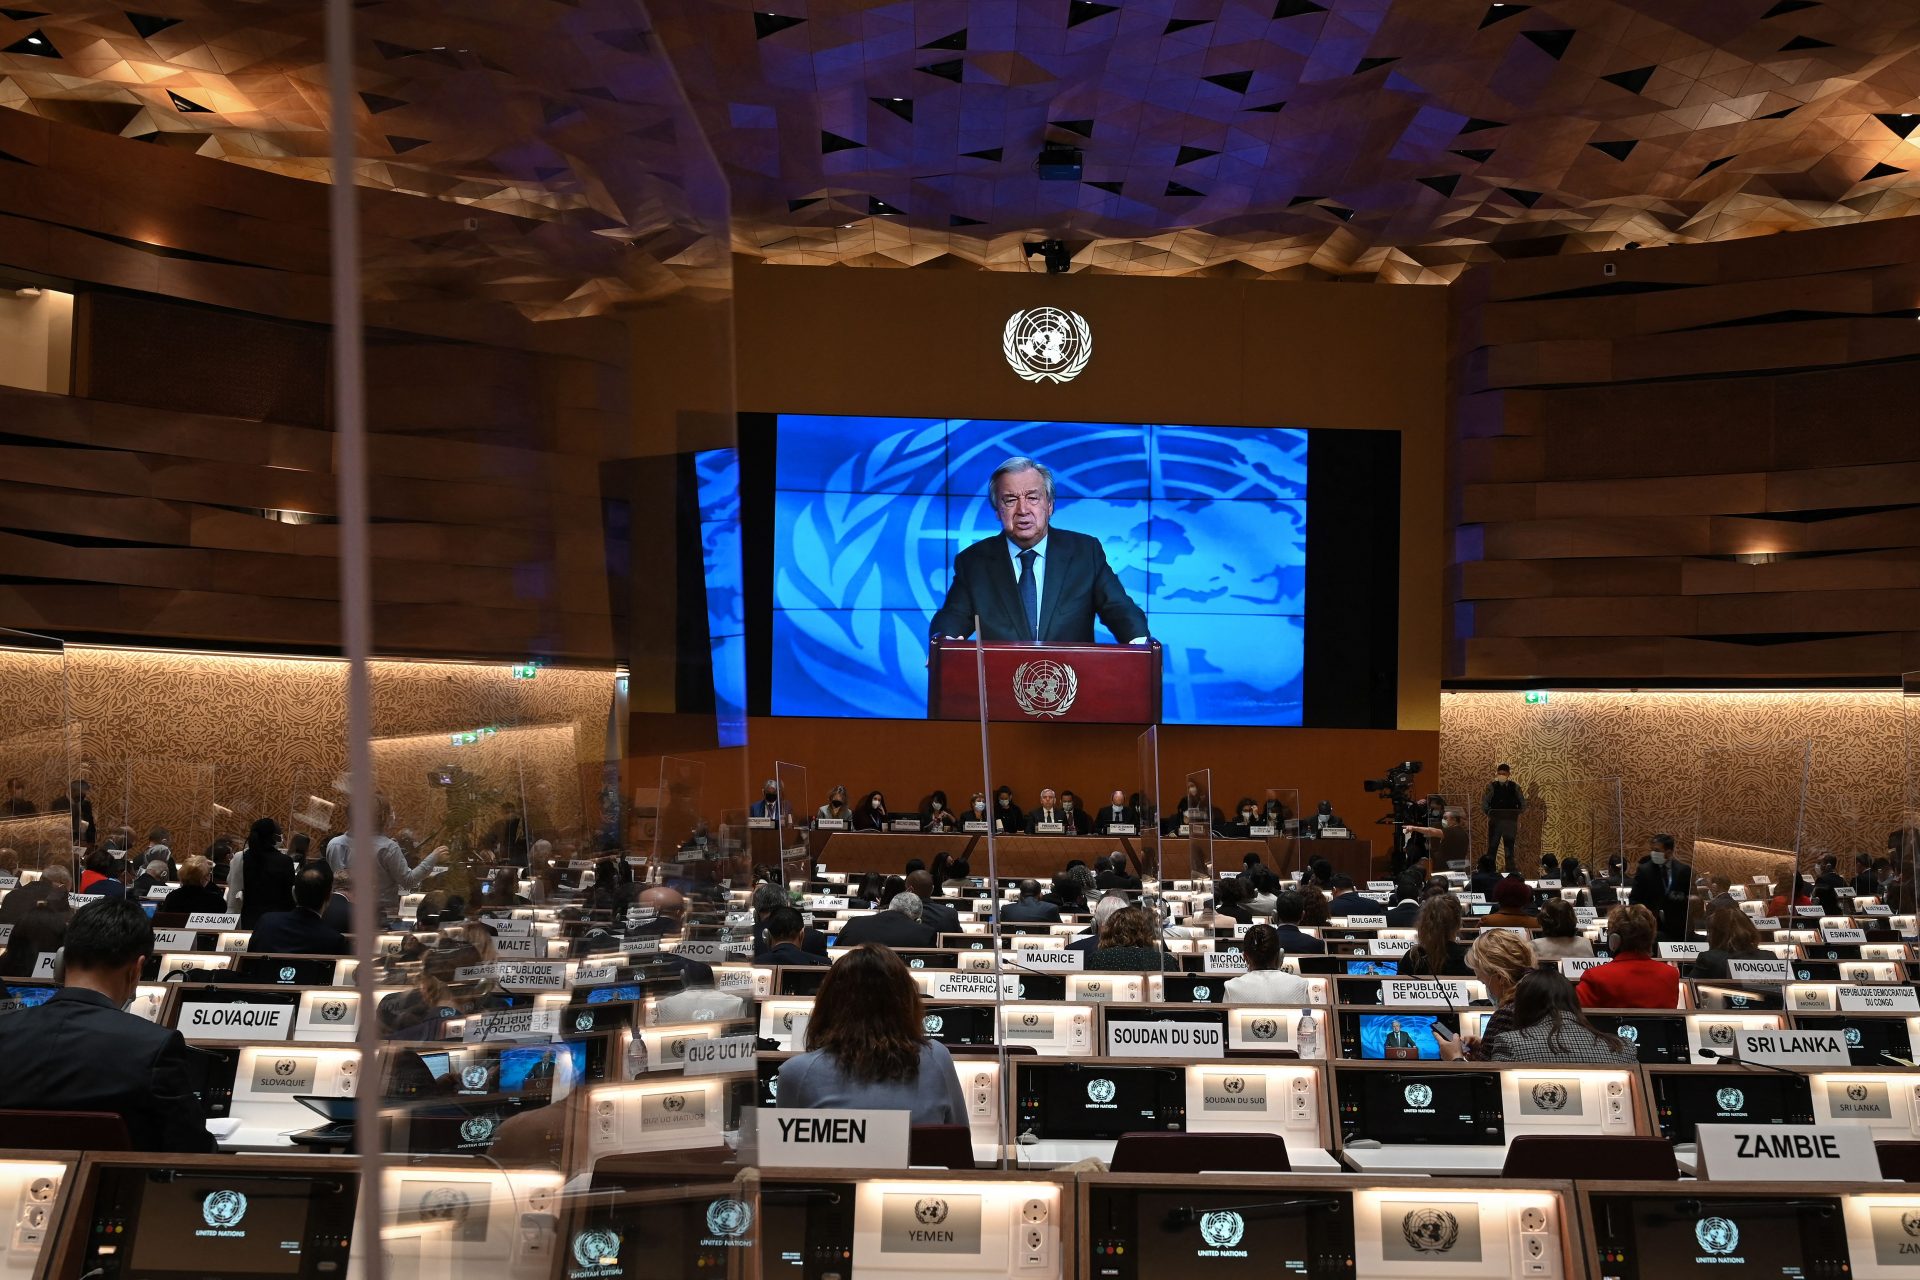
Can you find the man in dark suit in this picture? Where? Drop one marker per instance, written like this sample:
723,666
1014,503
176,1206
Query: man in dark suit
1049,810
301,931
935,912
1348,901
1486,875
54,879
509,835
79,1052
1029,907
769,898
1288,908
1664,886
1031,581
1112,873
1116,810
897,926
784,928
1078,823
338,913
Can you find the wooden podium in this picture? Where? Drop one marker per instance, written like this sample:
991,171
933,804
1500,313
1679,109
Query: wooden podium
1046,683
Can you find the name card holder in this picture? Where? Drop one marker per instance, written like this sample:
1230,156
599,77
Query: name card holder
815,1139
1122,829
1787,1153
1049,828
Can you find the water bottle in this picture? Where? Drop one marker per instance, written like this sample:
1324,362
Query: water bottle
1307,1035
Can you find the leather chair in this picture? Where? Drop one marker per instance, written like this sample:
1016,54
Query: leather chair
1613,1158
1200,1153
65,1131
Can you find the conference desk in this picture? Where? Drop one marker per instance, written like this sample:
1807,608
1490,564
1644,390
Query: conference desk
858,852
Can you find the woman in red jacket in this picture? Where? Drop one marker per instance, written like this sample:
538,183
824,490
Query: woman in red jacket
1633,979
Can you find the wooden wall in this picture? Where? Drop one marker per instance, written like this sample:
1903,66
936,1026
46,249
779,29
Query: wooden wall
140,506
1703,467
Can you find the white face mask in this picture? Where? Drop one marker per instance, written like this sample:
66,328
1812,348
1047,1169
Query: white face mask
979,806
878,807
1659,857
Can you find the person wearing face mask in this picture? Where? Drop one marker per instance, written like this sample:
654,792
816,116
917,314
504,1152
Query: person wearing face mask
768,805
1246,817
835,807
80,1052
977,808
1116,810
1075,814
1664,886
1008,820
1502,802
871,813
934,814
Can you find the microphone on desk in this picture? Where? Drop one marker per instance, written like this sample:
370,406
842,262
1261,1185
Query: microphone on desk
1729,1060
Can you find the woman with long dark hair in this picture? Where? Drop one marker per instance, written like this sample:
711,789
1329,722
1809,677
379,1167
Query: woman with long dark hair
1436,951
867,1046
871,813
1548,1025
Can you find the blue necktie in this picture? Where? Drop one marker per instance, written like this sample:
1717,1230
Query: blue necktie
1029,597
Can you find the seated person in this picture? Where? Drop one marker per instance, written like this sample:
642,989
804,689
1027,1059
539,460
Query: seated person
1074,815
1548,1025
1129,941
1730,936
153,875
54,881
1265,982
783,929
100,874
1246,816
1007,817
1289,909
197,892
1067,893
1102,912
1499,958
301,931
1049,811
1632,979
936,912
79,1052
1116,811
867,1046
1486,877
1111,873
1560,937
949,869
1513,906
898,925
871,813
1029,907
1230,902
769,898
1437,951
936,816
1407,894
39,930
835,809
1347,900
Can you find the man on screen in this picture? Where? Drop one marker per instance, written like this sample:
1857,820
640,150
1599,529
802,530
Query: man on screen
1033,582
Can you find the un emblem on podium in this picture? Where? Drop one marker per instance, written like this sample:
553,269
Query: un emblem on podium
1044,687
1047,344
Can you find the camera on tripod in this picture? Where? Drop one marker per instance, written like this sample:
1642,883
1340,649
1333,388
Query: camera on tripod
1397,787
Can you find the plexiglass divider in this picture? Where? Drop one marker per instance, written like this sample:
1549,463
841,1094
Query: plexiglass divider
1007,966
39,756
795,809
1904,841
1199,817
1745,828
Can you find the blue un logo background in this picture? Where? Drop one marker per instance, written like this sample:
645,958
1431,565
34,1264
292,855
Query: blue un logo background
1206,527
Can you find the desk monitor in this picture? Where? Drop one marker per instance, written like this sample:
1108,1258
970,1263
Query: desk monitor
243,1221
958,1230
283,971
1682,1101
461,1219
210,1074
684,1236
1871,1041
1141,1233
1675,1236
1753,995
1368,968
1402,1034
1039,986
802,980
1661,1039
960,1024
1083,1102
1050,1029
1194,988
18,995
1445,1108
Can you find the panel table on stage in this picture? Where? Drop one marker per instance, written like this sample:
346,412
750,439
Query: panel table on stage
858,852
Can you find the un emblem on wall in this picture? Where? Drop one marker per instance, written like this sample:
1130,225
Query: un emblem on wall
1047,344
1430,1230
1045,687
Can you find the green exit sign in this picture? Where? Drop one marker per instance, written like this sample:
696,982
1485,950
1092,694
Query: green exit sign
1536,697
526,670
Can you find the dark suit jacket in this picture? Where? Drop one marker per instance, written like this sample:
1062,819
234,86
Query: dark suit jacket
1079,585
788,954
79,1053
943,917
1291,939
338,913
1011,819
888,928
1664,891
298,932
812,941
188,899
1483,882
40,930
1030,911
22,900
1103,817
1352,904
1115,880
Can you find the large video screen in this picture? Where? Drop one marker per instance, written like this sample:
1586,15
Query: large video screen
1204,527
